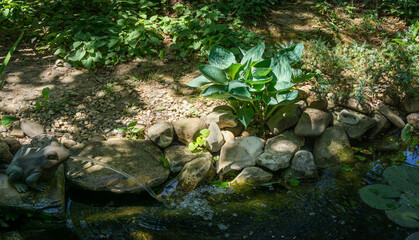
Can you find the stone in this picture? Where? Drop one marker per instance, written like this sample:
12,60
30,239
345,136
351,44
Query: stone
312,123
178,155
413,119
195,173
239,153
5,155
68,143
284,118
223,116
302,105
252,175
410,104
279,150
237,130
332,148
188,129
227,135
50,202
353,131
17,132
390,115
382,124
13,143
97,138
347,117
140,159
215,139
356,105
391,99
31,128
161,134
302,166
317,102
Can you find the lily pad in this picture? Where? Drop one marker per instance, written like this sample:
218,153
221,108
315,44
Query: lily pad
404,178
380,196
404,216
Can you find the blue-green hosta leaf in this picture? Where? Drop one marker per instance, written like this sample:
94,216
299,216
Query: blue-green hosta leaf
245,115
257,88
198,82
259,80
263,64
380,196
261,72
221,58
404,216
282,71
294,53
216,92
77,55
239,90
269,100
232,70
283,86
255,53
287,97
213,74
298,76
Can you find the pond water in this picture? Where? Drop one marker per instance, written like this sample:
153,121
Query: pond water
327,209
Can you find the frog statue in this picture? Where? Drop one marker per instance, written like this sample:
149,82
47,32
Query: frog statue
31,164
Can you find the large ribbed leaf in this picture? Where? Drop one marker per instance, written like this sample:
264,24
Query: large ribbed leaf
198,82
282,71
239,90
216,92
255,53
213,74
287,97
245,115
294,53
232,70
221,58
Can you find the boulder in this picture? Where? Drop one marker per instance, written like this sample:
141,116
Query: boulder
195,173
227,135
223,116
284,118
113,161
161,134
356,105
317,102
413,119
178,155
382,124
252,175
353,131
215,139
17,132
43,140
312,123
239,153
50,202
31,128
279,150
5,155
410,104
390,115
302,166
14,144
347,117
188,129
332,148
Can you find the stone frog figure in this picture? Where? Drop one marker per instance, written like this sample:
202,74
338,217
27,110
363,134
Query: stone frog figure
34,163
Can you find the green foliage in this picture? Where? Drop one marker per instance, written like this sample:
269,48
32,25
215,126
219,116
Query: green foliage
7,59
200,141
131,131
44,104
8,120
254,85
165,163
294,182
406,8
400,198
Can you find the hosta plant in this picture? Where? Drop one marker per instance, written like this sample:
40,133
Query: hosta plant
254,87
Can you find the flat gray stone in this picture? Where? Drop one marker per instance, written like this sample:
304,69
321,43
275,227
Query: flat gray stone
188,129
318,103
332,148
312,123
178,155
279,151
390,115
239,153
223,116
161,134
252,175
347,117
31,128
302,166
356,105
410,104
353,131
138,158
215,140
284,118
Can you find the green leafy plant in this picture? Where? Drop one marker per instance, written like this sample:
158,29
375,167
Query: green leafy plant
165,163
200,141
131,131
7,59
8,120
399,197
294,182
254,86
44,104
